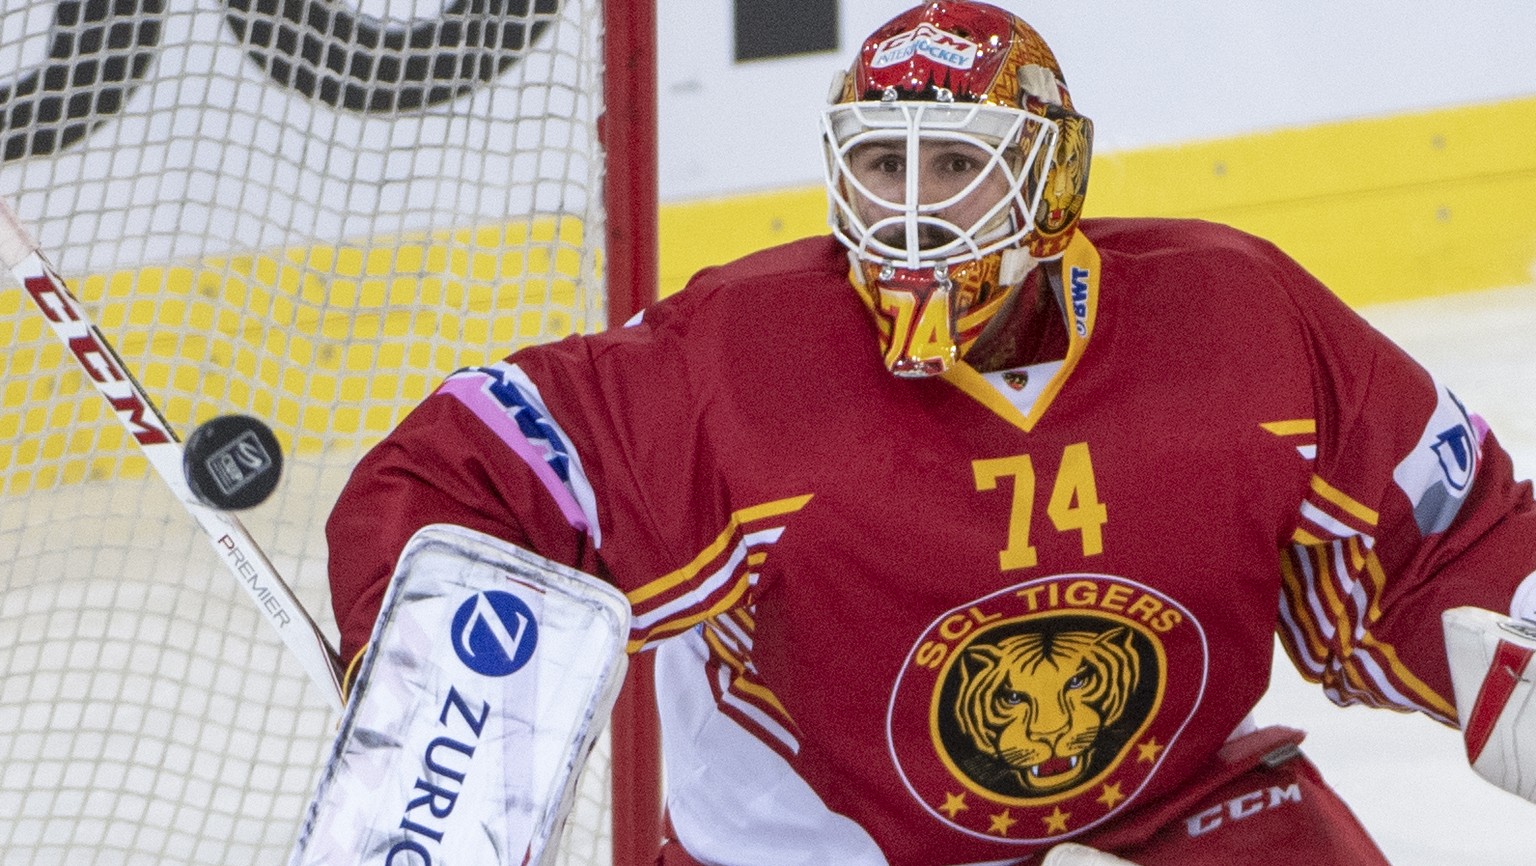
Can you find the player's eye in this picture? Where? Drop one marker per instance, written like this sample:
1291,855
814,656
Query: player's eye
962,165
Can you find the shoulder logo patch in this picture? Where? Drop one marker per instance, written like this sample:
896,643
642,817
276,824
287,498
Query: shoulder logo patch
1437,474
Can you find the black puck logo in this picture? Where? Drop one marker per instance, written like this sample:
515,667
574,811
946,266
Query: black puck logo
232,462
237,464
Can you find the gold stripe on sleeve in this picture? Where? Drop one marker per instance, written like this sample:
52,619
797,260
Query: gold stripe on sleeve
716,548
1293,427
1340,498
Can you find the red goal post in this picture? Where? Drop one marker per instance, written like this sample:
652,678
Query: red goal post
633,241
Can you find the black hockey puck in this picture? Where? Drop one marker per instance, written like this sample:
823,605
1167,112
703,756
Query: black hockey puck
232,462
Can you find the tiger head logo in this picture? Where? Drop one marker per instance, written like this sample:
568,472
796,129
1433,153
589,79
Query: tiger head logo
1046,707
1041,708
1037,703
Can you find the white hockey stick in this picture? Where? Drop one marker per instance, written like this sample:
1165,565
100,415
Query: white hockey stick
250,566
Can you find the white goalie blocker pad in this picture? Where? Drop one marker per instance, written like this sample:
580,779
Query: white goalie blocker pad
489,675
1495,680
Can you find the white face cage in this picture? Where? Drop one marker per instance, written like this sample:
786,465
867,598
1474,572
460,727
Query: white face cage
859,216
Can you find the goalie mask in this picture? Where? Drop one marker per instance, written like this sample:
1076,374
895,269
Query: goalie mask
954,164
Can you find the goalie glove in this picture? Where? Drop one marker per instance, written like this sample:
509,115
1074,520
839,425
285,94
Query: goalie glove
1073,854
1490,657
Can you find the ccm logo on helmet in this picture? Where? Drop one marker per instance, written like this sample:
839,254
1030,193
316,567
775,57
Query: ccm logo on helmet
929,41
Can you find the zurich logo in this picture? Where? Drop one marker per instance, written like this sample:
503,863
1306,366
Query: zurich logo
494,633
1458,456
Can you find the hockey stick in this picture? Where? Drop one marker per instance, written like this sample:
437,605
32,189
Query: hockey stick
148,427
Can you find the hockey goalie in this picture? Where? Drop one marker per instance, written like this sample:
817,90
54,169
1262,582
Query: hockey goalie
962,534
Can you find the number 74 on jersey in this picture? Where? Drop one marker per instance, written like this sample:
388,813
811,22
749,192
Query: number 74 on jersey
1074,504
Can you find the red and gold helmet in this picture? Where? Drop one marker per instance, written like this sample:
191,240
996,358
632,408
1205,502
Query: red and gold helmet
954,164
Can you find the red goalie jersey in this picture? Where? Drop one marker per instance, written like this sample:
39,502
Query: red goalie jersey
963,618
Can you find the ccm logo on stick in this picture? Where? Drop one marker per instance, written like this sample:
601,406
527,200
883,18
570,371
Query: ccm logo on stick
99,362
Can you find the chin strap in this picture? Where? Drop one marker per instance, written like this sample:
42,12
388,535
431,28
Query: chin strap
1016,265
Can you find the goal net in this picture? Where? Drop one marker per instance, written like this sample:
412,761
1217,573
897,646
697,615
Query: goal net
305,210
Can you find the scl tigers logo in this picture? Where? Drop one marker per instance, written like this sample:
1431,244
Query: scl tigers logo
1042,710
1033,707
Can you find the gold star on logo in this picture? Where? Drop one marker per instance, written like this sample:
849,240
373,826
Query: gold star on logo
1056,822
954,804
1001,823
1148,751
1110,795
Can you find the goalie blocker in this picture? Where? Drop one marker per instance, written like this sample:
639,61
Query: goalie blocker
489,675
1494,677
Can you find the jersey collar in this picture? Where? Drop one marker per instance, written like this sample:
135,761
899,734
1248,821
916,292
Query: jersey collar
1016,395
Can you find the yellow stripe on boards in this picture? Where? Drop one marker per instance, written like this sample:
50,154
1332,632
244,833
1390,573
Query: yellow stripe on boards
706,232
1380,209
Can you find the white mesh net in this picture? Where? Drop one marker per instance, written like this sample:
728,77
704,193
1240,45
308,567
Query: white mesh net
307,211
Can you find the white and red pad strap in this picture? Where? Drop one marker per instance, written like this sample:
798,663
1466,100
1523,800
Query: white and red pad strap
488,677
1495,680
